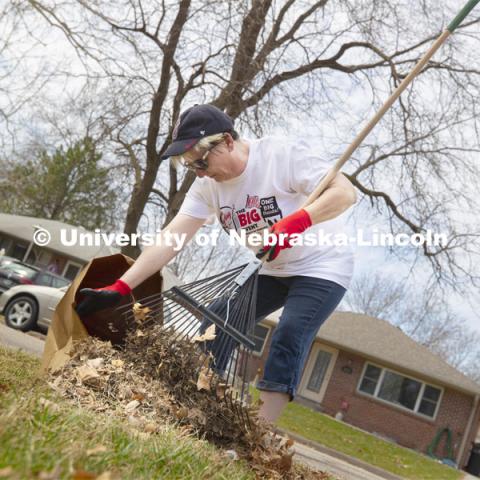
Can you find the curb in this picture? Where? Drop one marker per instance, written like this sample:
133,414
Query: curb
341,456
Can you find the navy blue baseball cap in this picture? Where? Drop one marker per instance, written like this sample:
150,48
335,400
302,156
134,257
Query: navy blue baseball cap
194,124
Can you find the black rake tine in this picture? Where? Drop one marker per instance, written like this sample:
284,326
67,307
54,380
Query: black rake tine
229,401
184,334
225,277
154,307
239,408
249,423
158,308
186,315
233,404
143,301
227,272
139,300
177,314
169,294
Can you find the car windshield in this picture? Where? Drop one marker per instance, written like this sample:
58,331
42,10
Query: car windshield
20,269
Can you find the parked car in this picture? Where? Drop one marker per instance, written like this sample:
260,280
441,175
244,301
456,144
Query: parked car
26,306
18,273
4,260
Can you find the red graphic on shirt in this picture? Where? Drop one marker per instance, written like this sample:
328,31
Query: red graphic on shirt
252,201
226,218
248,217
258,214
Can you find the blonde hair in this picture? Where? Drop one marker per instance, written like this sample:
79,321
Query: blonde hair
200,147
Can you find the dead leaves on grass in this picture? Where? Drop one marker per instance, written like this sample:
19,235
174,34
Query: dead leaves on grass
86,374
154,380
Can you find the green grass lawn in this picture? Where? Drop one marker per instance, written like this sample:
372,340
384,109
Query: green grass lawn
42,433
343,438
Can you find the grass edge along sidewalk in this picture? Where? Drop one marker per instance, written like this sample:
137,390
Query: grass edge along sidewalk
368,448
41,434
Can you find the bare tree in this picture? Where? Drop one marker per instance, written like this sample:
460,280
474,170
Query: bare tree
201,260
375,295
22,77
263,60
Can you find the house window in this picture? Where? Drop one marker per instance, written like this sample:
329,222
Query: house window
71,270
5,243
429,401
370,379
19,250
260,333
397,389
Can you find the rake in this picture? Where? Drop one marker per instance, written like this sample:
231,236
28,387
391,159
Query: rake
228,300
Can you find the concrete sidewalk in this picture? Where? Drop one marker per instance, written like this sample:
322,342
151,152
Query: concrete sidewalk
338,464
341,465
340,469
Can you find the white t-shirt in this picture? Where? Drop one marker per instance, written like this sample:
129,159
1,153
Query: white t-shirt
279,175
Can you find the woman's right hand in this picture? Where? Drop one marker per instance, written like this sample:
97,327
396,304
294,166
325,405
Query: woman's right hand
95,299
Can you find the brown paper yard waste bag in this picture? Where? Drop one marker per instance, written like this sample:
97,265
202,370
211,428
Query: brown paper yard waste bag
67,327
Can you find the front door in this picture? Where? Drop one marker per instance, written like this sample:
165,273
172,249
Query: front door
318,372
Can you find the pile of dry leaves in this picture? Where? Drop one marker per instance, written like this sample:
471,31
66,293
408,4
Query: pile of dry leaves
154,379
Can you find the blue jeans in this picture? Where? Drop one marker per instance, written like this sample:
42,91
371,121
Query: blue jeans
307,302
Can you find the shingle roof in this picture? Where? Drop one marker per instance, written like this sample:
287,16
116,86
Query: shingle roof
376,339
23,228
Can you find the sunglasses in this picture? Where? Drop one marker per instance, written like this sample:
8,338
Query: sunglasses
200,163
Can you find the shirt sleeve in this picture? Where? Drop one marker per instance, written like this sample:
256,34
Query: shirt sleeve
197,203
307,168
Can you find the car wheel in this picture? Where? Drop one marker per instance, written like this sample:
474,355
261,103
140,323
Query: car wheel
21,313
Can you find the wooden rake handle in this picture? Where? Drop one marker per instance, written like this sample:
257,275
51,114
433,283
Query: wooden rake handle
329,176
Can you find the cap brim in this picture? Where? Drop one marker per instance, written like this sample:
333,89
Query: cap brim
179,147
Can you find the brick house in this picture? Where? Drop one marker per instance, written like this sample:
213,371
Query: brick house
16,240
375,377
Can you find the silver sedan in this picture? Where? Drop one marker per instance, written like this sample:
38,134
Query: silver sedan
26,306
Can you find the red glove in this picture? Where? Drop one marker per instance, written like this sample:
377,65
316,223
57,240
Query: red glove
297,222
99,298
